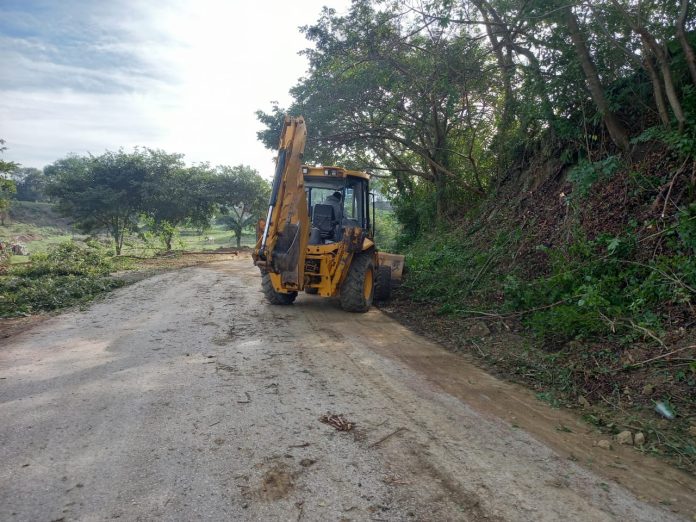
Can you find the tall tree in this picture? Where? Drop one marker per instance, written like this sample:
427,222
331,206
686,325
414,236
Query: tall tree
243,197
7,186
103,192
617,130
388,94
174,194
31,184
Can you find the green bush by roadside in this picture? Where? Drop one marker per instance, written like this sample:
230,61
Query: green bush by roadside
67,274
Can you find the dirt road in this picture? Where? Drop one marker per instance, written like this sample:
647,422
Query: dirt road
186,397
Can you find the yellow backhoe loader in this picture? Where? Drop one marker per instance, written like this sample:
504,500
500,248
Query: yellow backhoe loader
318,235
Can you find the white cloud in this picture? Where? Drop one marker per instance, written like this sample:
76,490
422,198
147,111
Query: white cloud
185,76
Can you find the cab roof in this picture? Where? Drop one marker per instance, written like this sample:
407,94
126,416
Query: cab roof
333,172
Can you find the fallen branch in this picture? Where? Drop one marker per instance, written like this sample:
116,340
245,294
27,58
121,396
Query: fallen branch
671,186
652,359
635,365
338,422
380,441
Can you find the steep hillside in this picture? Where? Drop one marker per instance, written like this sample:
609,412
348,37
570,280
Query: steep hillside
578,280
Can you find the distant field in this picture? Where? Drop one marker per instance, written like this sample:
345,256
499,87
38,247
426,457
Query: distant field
216,237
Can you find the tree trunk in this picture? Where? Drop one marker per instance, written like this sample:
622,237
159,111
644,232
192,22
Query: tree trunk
238,234
657,87
661,56
116,234
689,55
506,69
168,241
117,243
616,129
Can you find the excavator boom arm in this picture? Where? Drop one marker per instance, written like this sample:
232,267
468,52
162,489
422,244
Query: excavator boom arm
281,249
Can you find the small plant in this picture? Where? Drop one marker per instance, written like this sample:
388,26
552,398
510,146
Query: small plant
587,173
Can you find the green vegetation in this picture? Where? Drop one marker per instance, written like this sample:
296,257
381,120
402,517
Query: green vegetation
600,289
66,275
387,230
244,197
449,269
152,192
8,188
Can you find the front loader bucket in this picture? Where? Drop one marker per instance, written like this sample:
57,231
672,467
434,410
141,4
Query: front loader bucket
395,262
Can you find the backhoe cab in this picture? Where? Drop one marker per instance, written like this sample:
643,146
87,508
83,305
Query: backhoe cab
318,235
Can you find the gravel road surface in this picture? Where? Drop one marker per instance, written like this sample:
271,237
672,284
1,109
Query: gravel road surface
186,397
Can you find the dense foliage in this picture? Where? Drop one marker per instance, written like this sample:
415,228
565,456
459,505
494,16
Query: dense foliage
447,96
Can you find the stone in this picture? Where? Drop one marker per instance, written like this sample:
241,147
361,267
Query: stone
574,346
604,444
648,389
692,431
625,437
583,402
479,329
639,439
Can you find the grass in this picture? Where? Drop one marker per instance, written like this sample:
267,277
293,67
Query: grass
188,239
214,238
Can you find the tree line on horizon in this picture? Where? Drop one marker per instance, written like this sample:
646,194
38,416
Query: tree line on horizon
122,192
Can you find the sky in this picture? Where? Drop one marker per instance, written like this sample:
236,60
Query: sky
85,76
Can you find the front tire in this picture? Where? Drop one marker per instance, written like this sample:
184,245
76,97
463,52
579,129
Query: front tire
273,297
358,289
383,283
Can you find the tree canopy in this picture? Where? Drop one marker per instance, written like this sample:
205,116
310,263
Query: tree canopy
446,95
102,192
120,192
30,182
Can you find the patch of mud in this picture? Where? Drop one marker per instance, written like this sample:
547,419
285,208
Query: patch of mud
12,326
276,483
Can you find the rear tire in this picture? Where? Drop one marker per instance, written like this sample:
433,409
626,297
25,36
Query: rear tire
358,289
274,297
383,283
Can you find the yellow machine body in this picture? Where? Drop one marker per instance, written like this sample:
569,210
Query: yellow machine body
294,255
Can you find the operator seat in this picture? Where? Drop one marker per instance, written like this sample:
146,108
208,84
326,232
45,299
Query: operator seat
323,221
